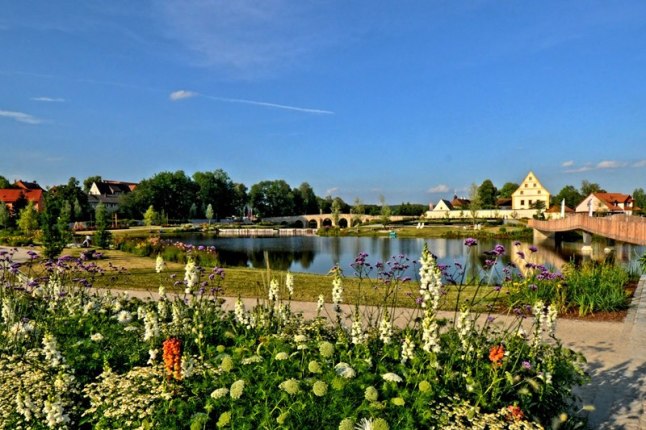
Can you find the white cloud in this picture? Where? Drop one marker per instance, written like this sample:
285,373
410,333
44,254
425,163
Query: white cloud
640,163
609,164
48,99
568,163
182,94
20,117
441,188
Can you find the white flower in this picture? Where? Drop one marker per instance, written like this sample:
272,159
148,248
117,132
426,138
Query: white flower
385,329
337,290
239,312
408,349
124,317
96,337
151,326
358,336
152,356
273,290
159,264
300,338
281,356
430,285
162,291
219,393
391,377
55,415
50,348
289,283
191,275
344,370
8,314
320,304
430,336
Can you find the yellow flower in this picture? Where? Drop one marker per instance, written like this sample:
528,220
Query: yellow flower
224,420
319,388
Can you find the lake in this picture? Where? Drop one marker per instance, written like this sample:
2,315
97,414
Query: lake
313,254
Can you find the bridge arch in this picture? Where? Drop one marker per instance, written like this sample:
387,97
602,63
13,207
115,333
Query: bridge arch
326,222
312,223
343,223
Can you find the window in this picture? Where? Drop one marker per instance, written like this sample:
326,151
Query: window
522,202
534,185
539,191
526,185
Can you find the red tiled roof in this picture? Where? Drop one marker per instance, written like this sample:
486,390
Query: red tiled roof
612,200
9,195
555,209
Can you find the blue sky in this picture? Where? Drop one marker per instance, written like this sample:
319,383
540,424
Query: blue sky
412,100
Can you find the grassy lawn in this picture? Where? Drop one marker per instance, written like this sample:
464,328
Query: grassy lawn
245,282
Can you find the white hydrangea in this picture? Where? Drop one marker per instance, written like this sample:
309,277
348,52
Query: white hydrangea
345,370
391,377
124,317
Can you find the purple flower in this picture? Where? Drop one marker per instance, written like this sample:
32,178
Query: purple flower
498,250
470,242
521,254
533,248
517,243
527,365
533,287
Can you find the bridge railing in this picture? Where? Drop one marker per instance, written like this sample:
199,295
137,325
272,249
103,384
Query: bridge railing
624,228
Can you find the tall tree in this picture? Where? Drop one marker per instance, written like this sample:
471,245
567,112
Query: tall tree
310,201
28,221
218,189
639,196
151,217
171,193
209,213
240,199
571,195
74,196
102,235
475,204
5,216
336,211
357,211
507,190
53,229
487,193
588,188
385,211
4,182
272,198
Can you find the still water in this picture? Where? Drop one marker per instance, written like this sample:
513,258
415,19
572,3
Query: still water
313,254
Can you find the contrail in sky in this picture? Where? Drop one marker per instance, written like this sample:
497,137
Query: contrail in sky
184,94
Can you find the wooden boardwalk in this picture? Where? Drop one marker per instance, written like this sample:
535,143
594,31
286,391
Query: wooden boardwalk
622,228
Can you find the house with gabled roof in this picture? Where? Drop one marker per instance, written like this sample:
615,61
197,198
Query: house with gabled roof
9,196
607,203
109,193
530,194
24,185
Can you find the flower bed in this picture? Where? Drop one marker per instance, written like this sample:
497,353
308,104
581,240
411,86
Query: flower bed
74,358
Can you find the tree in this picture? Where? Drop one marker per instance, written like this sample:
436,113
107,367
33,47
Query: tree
4,182
588,188
336,211
475,204
87,182
487,194
507,190
272,198
385,211
639,197
240,199
571,195
5,216
171,193
218,189
310,203
151,217
209,213
102,235
74,196
53,229
357,211
28,221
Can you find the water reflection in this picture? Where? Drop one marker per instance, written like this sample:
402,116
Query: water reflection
320,254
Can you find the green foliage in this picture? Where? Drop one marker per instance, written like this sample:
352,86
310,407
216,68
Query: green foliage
571,196
642,262
384,214
216,189
588,188
587,289
87,182
102,236
5,216
209,213
74,196
55,227
507,190
4,182
639,198
28,220
272,198
183,362
151,217
487,194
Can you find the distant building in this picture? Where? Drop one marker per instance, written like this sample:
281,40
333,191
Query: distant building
530,194
459,203
607,203
24,185
109,193
9,196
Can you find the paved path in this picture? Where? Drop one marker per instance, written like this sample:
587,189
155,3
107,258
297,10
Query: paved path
615,352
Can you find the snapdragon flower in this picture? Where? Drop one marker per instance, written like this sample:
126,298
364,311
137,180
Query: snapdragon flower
273,290
289,283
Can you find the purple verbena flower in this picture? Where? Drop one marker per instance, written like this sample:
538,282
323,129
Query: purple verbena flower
470,242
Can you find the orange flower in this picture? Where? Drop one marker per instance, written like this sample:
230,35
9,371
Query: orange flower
173,358
496,353
515,413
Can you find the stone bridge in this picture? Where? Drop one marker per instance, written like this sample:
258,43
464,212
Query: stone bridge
622,228
323,220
